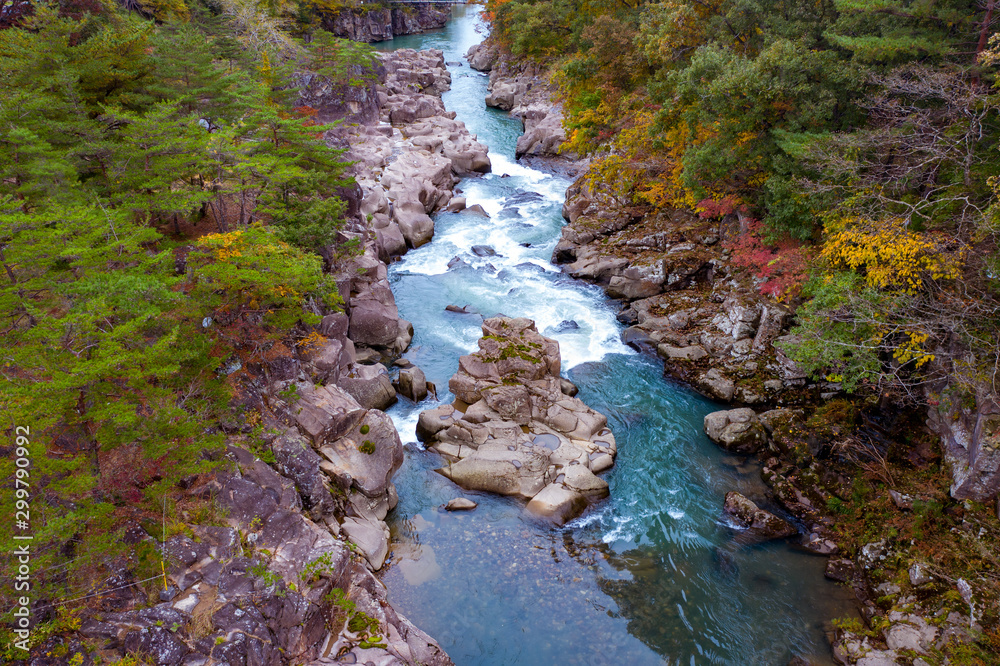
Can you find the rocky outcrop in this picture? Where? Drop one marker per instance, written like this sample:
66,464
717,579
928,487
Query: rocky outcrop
483,56
354,102
969,428
270,587
905,634
408,163
514,431
358,451
377,24
524,90
679,297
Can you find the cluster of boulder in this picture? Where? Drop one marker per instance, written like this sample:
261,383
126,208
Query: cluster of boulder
523,89
269,587
408,162
517,429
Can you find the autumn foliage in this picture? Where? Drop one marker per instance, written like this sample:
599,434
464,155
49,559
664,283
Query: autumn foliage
781,266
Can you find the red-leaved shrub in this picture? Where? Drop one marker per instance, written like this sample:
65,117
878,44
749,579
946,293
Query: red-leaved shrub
782,264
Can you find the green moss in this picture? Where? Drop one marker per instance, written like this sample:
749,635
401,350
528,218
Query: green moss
510,349
367,447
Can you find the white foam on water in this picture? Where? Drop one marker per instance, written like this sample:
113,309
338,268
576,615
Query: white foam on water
676,514
502,164
406,423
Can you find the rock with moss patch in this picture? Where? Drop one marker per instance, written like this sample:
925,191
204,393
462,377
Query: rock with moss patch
737,430
521,432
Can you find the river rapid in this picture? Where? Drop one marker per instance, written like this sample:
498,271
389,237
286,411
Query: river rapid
644,577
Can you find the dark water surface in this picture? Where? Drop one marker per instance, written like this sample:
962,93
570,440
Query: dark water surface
636,580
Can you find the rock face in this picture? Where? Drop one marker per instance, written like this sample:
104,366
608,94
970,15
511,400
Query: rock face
970,438
525,91
378,25
359,450
351,103
258,590
513,430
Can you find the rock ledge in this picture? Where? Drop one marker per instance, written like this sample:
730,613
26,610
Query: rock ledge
514,431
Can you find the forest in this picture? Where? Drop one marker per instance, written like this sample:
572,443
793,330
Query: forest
857,141
165,214
170,219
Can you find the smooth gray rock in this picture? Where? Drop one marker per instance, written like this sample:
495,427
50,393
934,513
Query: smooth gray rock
460,504
737,430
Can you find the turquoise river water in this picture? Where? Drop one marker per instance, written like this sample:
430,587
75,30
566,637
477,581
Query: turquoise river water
639,578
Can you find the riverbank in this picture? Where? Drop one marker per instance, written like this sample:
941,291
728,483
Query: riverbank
862,483
283,571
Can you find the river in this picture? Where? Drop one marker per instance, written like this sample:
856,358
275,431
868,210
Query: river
646,576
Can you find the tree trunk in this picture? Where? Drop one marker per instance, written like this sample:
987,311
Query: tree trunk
984,33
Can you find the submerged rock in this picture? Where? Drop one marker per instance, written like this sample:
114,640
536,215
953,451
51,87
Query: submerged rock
522,433
760,525
460,504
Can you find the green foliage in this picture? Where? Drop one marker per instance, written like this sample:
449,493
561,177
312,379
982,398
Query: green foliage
888,31
321,566
250,277
265,575
367,628
113,132
342,61
535,29
843,350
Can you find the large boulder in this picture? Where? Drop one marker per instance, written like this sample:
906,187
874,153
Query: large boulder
482,57
716,385
557,503
365,457
369,385
322,413
521,433
412,384
737,430
295,459
738,319
371,538
374,323
544,133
